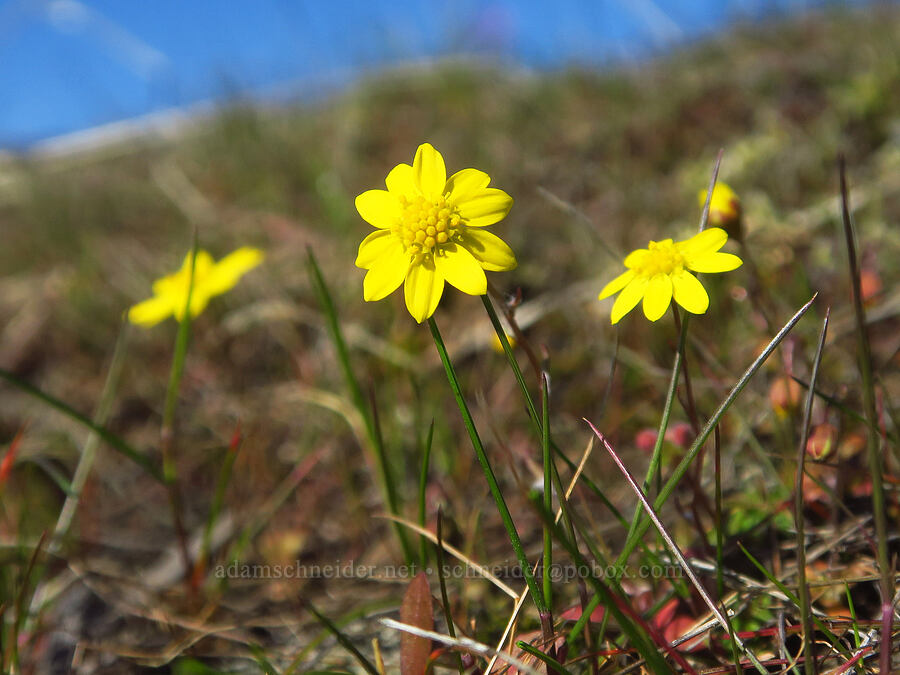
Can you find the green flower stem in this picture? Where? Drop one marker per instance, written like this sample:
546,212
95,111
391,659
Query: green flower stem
359,401
533,588
167,433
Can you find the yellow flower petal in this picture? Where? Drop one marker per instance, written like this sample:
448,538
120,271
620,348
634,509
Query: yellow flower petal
199,301
379,208
177,281
429,172
460,269
379,243
616,284
386,274
689,292
628,299
400,181
150,312
486,208
225,274
714,262
466,184
711,239
635,258
423,288
489,250
658,296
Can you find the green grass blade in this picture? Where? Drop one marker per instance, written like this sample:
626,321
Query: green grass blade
802,588
630,623
875,457
114,441
512,532
359,401
548,496
532,409
344,641
714,420
831,637
442,581
552,664
423,484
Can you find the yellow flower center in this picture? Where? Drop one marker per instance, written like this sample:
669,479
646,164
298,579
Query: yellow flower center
425,224
664,258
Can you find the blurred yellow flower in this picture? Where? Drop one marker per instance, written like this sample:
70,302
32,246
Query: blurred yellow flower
660,272
170,293
724,209
430,230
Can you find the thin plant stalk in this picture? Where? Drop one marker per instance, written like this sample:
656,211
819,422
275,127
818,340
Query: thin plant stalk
375,439
85,462
445,598
640,634
423,484
345,641
721,616
874,453
532,410
215,508
720,545
552,664
653,469
810,665
89,451
670,485
20,608
167,432
508,523
114,441
548,490
635,537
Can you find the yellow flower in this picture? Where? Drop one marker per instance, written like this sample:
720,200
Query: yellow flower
724,209
660,272
430,230
170,293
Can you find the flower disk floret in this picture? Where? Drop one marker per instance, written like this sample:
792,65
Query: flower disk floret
662,272
429,230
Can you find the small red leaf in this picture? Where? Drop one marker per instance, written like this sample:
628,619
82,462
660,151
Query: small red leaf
417,611
9,458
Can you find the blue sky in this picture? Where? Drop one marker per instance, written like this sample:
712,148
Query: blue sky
67,65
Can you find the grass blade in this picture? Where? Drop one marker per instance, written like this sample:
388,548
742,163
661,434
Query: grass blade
344,641
673,547
552,664
114,441
810,666
512,532
423,484
685,463
359,401
875,459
